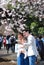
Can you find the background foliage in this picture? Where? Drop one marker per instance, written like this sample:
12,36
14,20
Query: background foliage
26,13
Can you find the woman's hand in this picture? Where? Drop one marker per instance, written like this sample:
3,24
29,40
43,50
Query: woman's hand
22,51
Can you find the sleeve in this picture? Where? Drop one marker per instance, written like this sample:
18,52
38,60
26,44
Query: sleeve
29,42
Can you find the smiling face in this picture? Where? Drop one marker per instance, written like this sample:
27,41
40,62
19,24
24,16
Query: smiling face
25,33
20,36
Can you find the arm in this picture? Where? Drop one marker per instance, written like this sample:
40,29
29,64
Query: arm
29,42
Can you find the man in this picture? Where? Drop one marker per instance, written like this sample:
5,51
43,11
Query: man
32,50
12,41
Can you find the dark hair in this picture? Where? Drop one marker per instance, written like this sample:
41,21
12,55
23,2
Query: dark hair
27,30
40,37
20,33
8,37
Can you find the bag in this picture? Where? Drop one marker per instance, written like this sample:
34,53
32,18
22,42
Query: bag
38,58
12,39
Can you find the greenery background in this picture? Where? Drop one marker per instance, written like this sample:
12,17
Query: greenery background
32,22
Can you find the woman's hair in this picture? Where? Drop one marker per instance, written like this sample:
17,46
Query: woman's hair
21,37
19,33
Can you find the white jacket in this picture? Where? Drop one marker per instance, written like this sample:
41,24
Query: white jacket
32,49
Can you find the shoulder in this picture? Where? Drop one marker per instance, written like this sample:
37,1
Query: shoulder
30,37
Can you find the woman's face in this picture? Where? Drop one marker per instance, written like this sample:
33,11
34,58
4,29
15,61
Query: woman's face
20,36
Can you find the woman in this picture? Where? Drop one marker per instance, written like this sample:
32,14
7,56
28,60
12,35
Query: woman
21,56
4,41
